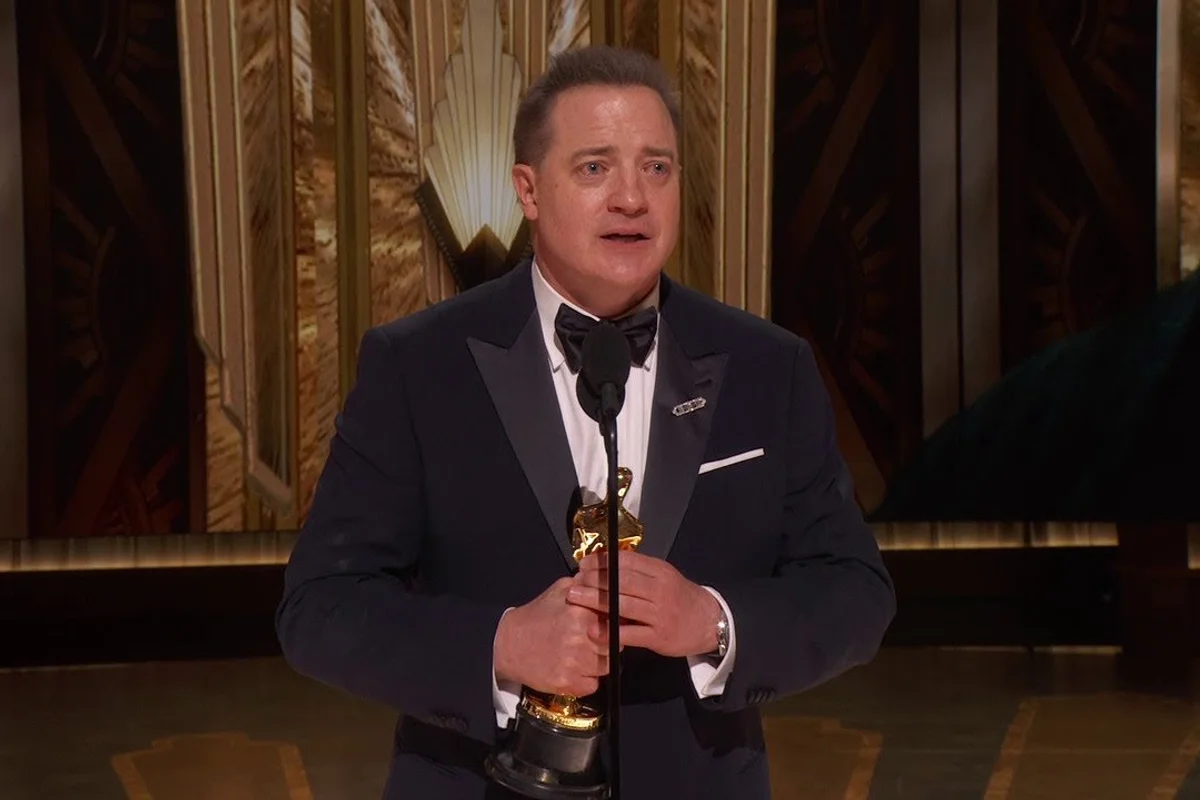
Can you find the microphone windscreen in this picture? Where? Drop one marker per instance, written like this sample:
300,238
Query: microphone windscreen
606,357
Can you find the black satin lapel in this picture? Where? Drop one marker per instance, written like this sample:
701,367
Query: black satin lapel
677,442
518,380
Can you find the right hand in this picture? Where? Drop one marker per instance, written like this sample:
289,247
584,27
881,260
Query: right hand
545,645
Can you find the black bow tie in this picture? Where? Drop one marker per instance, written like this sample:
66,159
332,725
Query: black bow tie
572,327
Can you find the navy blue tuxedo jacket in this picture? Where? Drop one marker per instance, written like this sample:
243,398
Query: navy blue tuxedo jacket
447,495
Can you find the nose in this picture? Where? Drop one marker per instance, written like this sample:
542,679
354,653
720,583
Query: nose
628,196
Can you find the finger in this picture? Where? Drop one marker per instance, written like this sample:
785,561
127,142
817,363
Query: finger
637,609
638,636
592,561
598,631
592,578
633,562
587,597
591,599
633,584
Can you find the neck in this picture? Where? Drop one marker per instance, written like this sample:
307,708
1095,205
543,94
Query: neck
599,304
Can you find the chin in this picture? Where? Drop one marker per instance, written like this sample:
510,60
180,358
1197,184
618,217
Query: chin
627,277
619,293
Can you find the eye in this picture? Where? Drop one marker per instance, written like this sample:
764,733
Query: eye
592,168
660,168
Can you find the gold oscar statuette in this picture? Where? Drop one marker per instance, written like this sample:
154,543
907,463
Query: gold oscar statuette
554,747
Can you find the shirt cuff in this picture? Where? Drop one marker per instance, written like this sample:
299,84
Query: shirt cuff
505,695
709,676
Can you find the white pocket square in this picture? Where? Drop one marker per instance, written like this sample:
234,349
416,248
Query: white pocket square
709,466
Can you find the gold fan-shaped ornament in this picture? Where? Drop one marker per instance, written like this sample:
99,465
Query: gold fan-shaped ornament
468,198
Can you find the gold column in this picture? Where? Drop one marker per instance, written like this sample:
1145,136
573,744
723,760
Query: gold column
723,56
397,263
1168,217
1179,140
239,99
353,217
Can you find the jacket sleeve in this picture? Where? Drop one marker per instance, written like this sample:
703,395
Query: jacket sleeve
350,616
829,601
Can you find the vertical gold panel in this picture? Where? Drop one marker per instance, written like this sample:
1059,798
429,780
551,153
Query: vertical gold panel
1180,137
353,207
225,461
670,45
569,25
222,88
210,135
248,200
519,25
669,33
539,27
16,333
264,94
423,88
725,61
1169,201
601,31
760,110
639,24
304,176
316,260
198,150
505,8
703,88
398,285
318,425
939,265
979,195
959,198
731,282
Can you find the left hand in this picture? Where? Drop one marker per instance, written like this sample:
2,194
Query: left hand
661,610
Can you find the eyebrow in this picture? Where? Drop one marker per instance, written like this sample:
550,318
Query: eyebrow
608,150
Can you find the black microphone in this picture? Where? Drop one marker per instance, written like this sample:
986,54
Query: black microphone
604,368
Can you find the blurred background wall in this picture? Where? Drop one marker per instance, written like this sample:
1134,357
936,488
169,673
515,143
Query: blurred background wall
983,216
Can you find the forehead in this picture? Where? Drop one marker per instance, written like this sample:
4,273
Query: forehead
610,115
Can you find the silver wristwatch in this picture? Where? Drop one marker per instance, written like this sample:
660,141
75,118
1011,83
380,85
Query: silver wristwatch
722,637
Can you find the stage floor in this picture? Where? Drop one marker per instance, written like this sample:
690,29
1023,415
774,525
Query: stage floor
927,723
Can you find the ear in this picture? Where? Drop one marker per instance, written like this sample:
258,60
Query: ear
524,181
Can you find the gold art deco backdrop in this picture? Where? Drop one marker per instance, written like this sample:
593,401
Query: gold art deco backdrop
348,163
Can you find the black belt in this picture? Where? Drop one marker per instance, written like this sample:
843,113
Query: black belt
443,746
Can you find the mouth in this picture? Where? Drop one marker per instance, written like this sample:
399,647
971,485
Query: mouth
627,238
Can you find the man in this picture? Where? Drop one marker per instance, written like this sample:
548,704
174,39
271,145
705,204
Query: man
434,572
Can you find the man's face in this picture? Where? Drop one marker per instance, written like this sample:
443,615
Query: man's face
604,200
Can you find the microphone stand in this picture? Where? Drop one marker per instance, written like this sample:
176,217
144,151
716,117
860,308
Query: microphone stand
609,431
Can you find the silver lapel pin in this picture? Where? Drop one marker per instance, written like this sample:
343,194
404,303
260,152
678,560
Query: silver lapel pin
695,404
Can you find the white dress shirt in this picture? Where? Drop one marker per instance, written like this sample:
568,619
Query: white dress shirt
591,468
